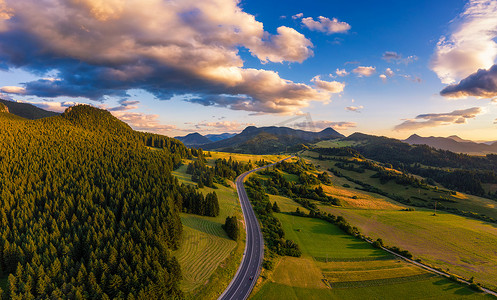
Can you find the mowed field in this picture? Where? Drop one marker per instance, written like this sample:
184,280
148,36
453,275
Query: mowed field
337,266
465,246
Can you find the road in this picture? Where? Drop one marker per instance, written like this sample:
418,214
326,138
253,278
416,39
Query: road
248,271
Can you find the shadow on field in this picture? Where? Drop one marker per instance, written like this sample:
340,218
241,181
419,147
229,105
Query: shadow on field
206,226
456,288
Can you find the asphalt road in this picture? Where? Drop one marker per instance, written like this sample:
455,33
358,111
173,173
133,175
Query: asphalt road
248,271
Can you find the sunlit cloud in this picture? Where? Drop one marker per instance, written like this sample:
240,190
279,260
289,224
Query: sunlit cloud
341,72
325,25
354,108
434,120
364,71
333,87
383,77
297,16
17,90
97,49
470,46
144,122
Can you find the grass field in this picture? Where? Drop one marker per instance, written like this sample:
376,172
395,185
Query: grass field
465,246
206,254
245,157
464,202
353,269
320,239
286,205
205,245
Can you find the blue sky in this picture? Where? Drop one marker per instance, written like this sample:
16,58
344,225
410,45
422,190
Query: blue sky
220,65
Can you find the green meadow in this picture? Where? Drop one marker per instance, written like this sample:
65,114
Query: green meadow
338,266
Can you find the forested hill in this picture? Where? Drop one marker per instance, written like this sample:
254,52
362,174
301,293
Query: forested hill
26,110
86,212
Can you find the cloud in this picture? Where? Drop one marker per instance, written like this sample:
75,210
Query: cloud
124,105
470,46
297,16
99,48
325,124
482,84
55,106
389,72
17,90
354,108
333,87
391,56
326,25
364,71
433,120
222,126
341,72
143,122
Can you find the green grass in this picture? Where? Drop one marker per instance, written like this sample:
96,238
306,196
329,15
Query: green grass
464,202
205,248
208,258
318,238
286,205
464,245
335,144
353,268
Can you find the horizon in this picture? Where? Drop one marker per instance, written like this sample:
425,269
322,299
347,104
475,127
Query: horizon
392,70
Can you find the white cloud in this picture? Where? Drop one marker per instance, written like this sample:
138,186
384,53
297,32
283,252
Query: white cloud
433,120
13,90
389,72
341,72
383,77
471,45
297,16
354,108
326,25
333,87
364,71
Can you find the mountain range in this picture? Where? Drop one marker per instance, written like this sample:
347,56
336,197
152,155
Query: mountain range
454,144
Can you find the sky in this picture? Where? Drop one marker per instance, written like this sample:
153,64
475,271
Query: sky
389,68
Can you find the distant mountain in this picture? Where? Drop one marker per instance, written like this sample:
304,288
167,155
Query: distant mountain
27,111
219,137
193,139
272,139
453,144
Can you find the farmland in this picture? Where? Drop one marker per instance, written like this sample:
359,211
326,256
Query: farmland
207,254
339,266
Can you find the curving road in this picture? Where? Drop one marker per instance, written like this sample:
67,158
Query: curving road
248,271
